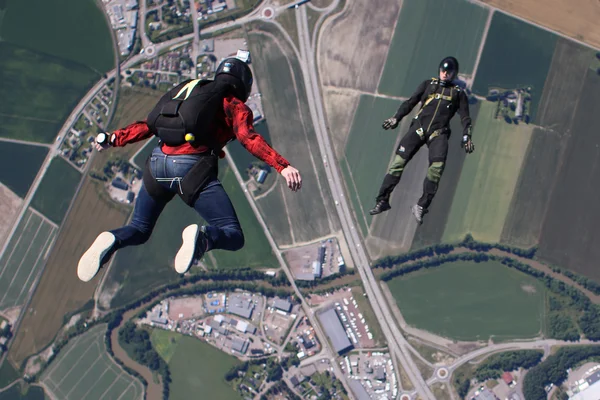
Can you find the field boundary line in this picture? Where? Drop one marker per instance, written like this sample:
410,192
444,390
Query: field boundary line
24,142
36,261
117,378
50,371
99,377
486,29
39,214
287,214
13,249
22,260
362,210
389,47
125,391
365,92
73,366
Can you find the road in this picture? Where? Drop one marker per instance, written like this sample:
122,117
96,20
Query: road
306,308
396,342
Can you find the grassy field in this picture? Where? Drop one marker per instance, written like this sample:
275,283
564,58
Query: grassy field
272,207
139,269
19,165
566,238
91,214
70,29
197,367
472,301
426,32
84,370
488,178
165,343
278,75
16,393
38,92
24,257
56,190
516,54
8,374
134,104
434,224
368,154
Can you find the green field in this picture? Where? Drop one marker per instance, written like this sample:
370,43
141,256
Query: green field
472,301
25,255
141,268
17,393
488,179
84,370
426,32
56,190
272,207
516,54
368,153
197,367
19,164
280,82
73,30
165,343
38,91
8,374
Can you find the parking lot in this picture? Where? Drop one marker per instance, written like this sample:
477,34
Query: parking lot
354,322
315,261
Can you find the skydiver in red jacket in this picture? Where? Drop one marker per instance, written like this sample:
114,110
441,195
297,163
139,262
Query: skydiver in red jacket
188,167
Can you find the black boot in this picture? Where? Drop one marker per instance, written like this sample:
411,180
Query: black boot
385,192
381,206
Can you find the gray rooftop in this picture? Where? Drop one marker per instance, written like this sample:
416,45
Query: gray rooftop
240,306
283,305
334,329
359,390
239,345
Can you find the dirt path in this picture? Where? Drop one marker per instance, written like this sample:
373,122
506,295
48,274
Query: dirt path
153,390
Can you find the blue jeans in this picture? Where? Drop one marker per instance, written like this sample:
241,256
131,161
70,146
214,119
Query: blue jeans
213,204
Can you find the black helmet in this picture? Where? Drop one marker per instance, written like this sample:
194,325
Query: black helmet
236,68
450,65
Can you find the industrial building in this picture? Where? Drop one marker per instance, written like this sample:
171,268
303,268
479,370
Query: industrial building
282,305
486,395
245,327
317,269
241,306
335,330
239,345
359,390
591,392
120,184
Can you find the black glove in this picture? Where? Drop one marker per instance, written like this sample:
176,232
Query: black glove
467,143
390,123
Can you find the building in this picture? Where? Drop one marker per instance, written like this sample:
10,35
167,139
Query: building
485,395
335,330
239,345
3,324
592,392
380,374
283,305
238,305
244,327
321,257
507,378
317,269
262,175
358,389
305,276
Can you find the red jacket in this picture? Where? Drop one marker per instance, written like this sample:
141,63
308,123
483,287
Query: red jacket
235,121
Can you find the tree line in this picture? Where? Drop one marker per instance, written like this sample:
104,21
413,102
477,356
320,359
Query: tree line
554,370
495,365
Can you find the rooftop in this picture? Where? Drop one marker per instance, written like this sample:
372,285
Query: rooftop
335,330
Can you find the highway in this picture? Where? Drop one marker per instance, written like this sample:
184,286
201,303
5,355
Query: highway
396,342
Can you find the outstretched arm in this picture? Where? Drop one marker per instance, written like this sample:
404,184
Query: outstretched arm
132,133
407,106
243,129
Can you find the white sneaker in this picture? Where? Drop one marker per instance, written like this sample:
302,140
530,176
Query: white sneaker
187,252
417,211
89,263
